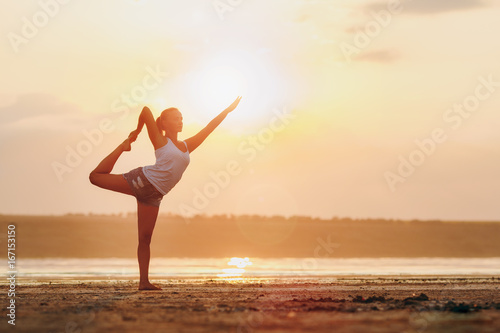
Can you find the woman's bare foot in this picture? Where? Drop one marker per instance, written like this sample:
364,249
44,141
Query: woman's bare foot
126,145
148,286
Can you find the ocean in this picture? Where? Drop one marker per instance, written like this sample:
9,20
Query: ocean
253,267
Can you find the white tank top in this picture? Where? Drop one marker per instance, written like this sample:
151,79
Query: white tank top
169,167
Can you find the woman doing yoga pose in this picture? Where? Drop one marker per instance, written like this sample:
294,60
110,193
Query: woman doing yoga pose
150,183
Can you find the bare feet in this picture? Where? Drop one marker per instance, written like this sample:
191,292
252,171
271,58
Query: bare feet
148,286
126,145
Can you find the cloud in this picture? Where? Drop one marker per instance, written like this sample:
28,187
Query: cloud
422,7
41,111
380,56
32,106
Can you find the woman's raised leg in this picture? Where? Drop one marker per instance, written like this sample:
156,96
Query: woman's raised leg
101,176
146,220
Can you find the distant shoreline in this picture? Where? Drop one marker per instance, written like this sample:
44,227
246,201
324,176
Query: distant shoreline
106,236
127,215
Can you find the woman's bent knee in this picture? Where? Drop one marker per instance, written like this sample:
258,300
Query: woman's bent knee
95,178
92,178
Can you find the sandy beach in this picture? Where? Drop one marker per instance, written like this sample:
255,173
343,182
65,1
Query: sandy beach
278,304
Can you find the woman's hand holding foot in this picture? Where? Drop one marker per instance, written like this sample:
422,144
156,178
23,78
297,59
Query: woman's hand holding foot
127,144
133,135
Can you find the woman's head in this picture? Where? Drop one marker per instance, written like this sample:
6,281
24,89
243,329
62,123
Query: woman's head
170,120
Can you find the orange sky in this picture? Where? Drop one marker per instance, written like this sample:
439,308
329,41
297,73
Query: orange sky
340,100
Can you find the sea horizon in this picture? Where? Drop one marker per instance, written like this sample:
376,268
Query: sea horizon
254,267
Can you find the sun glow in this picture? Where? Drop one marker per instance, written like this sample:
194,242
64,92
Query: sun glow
221,84
158,104
224,76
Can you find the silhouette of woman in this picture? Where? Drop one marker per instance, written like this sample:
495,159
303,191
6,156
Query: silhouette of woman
150,183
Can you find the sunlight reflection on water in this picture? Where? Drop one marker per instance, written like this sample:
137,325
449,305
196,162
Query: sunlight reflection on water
258,267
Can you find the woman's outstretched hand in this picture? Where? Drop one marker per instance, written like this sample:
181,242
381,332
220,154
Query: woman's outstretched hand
234,105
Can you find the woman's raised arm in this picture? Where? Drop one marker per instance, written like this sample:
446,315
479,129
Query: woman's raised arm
196,140
146,117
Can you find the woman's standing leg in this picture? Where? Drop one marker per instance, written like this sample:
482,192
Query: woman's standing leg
146,220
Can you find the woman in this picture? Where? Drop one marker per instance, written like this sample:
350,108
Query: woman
150,183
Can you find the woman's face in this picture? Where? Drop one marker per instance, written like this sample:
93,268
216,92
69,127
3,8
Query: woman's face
172,121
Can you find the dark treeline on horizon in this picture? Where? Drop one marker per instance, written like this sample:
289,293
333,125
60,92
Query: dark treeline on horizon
255,217
106,236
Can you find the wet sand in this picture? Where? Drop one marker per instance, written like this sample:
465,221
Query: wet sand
279,304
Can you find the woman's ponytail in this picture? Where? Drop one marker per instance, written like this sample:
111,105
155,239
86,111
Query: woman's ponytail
158,123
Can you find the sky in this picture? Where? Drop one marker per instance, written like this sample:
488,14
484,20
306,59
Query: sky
361,109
